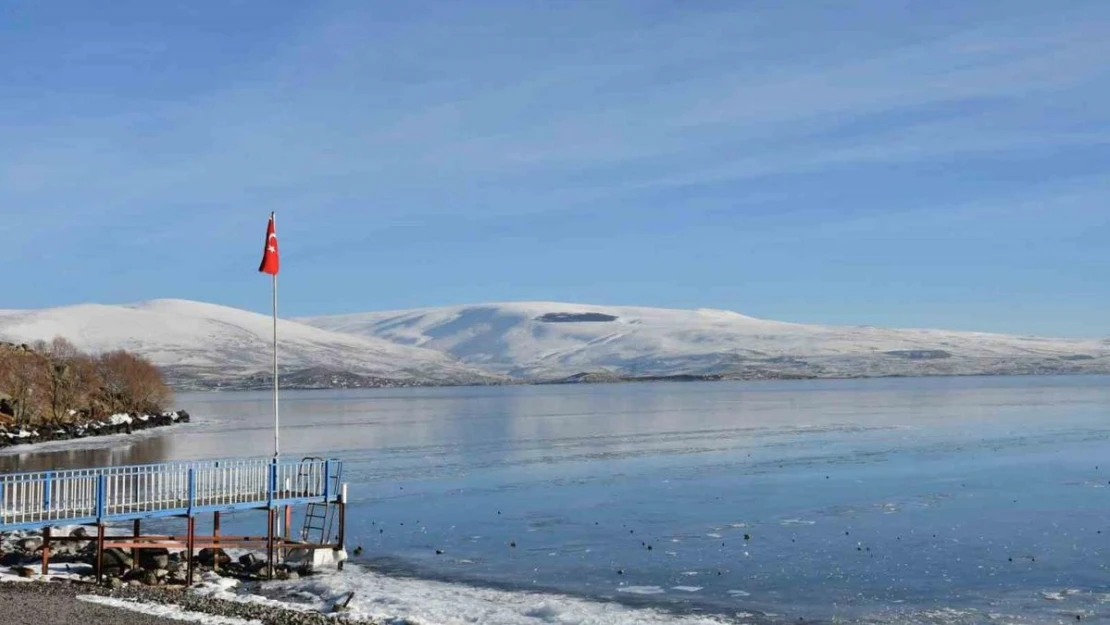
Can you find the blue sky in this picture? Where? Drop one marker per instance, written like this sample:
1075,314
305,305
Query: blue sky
939,164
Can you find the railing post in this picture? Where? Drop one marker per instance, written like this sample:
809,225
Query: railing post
101,497
327,478
48,479
192,485
273,483
2,506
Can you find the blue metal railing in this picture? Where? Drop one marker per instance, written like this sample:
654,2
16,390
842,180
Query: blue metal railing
179,488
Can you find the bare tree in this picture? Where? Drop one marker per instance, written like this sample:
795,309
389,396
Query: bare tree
130,383
55,381
23,379
66,379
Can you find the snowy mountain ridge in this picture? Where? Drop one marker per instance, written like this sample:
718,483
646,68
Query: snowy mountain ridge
552,340
207,345
201,345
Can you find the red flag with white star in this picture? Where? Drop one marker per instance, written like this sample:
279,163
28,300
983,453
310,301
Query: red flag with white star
270,261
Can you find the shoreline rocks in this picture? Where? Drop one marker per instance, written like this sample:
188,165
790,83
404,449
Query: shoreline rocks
54,592
156,566
11,436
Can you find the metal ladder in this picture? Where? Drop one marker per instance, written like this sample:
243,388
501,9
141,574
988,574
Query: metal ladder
319,518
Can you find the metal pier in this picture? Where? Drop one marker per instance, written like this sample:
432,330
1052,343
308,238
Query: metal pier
105,495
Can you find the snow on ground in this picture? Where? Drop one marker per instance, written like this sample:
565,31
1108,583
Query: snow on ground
122,440
120,419
60,571
166,611
422,602
532,339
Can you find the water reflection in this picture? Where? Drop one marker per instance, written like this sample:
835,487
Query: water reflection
454,426
138,451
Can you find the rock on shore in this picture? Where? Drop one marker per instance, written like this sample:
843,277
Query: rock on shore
115,424
60,603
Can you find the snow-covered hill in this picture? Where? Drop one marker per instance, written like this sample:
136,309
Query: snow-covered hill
549,340
200,344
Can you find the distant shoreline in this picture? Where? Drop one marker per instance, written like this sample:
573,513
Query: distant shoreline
605,378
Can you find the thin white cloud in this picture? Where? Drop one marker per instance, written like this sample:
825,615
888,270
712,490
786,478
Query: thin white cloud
436,114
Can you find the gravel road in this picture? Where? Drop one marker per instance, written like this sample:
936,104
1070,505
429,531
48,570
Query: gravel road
56,604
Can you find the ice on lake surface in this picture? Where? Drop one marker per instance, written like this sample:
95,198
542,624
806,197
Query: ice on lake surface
944,500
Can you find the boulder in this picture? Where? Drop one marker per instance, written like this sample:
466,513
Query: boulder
63,550
132,574
150,578
11,558
87,554
117,559
80,532
151,559
249,560
31,544
210,557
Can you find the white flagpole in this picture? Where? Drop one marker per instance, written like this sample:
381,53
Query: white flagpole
277,440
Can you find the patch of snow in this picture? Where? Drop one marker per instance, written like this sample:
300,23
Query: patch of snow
396,600
213,583
120,419
641,590
63,571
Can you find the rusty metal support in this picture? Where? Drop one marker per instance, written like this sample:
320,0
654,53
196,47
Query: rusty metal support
190,533
99,553
226,542
288,534
270,519
46,550
134,551
216,539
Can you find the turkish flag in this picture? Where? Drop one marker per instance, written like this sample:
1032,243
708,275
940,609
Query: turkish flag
270,260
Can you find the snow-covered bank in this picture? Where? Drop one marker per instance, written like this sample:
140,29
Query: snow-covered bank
386,599
114,424
361,595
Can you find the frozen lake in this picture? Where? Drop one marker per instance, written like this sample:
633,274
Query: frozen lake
945,500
